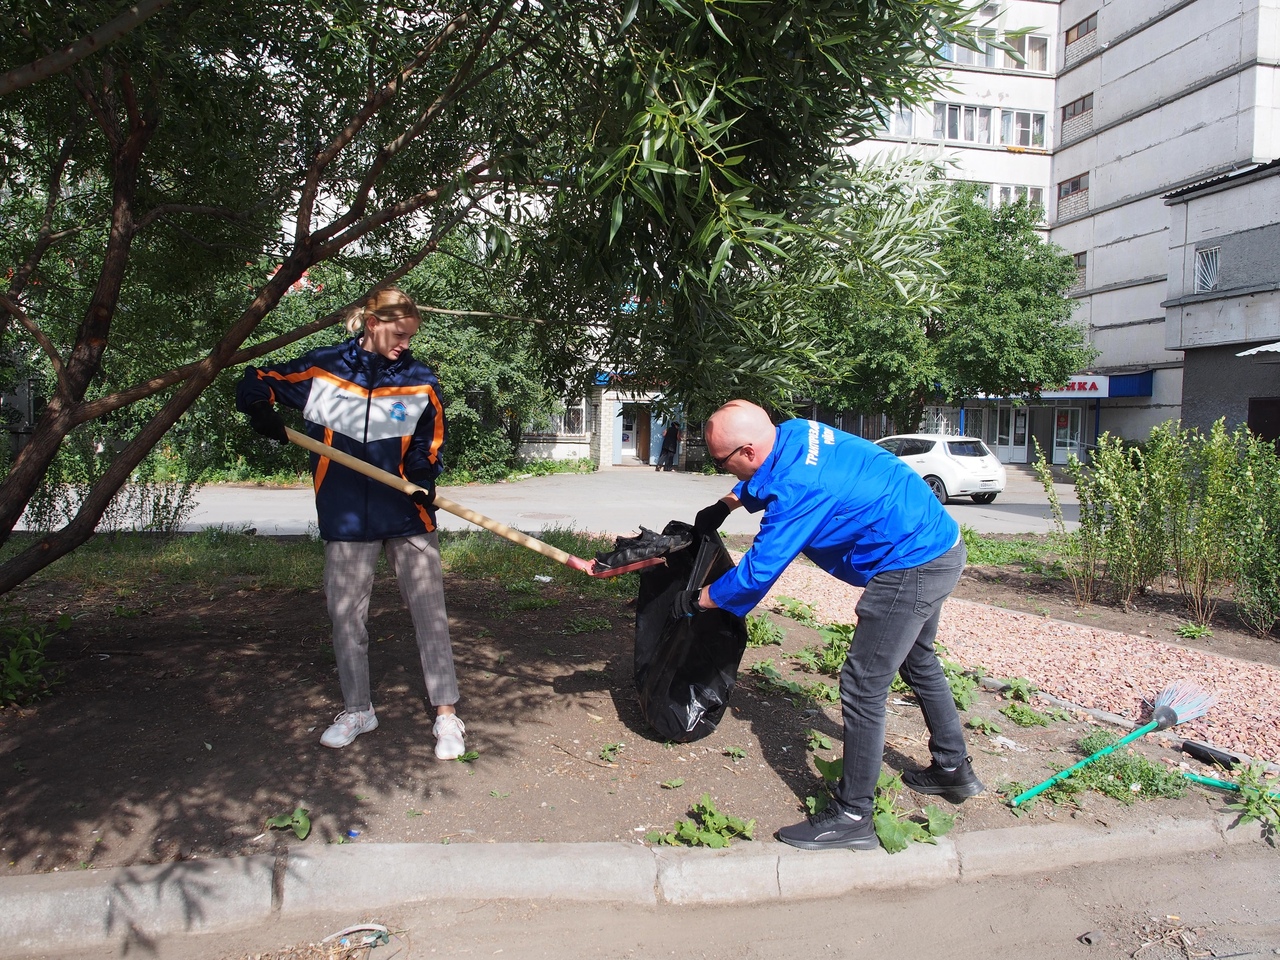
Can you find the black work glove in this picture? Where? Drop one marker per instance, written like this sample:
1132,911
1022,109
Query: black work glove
425,495
264,418
708,520
685,604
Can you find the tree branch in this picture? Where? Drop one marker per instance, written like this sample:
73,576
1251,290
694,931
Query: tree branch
155,213
73,53
371,106
104,405
480,313
46,344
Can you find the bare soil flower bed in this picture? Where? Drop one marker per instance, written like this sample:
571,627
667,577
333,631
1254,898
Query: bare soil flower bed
187,720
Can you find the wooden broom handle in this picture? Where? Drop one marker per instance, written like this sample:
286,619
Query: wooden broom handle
457,509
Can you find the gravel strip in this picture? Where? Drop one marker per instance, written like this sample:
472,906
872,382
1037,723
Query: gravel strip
1099,669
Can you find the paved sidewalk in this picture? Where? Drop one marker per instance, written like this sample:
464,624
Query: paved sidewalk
134,905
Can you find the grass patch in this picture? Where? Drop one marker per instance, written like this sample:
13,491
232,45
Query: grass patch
127,561
1033,554
1126,776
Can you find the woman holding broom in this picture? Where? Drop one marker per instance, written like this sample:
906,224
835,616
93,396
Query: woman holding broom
370,398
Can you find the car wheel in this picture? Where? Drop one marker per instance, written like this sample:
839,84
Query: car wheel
938,487
983,497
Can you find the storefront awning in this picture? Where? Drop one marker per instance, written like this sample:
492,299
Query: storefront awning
1266,348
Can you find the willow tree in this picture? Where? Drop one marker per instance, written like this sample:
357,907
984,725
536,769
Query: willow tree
165,188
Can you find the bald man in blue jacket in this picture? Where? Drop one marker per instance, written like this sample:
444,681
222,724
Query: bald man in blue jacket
865,517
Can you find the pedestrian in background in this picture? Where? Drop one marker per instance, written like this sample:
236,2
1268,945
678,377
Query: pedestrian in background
670,446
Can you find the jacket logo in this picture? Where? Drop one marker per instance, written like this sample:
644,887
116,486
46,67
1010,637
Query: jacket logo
398,411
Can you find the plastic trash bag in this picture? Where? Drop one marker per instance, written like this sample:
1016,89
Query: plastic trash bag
686,667
629,550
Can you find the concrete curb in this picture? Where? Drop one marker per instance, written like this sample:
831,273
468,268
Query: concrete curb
138,904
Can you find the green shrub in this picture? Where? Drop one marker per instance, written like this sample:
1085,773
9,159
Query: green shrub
26,674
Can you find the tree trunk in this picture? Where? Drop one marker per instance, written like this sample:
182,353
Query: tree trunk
61,542
91,340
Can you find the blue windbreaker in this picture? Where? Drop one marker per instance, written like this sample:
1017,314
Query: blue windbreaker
851,507
388,413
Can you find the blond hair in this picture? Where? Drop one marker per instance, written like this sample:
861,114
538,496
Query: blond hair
388,305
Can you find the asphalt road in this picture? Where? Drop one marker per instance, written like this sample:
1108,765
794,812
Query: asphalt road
615,501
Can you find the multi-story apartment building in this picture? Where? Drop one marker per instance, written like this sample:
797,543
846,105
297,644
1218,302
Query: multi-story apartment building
1149,130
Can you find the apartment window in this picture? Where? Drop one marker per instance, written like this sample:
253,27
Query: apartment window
1082,29
981,191
1077,107
1081,261
572,422
903,122
1022,128
983,56
1073,186
1033,51
1014,192
954,121
1207,269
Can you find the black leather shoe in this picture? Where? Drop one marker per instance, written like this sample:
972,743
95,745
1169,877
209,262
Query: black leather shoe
835,828
954,785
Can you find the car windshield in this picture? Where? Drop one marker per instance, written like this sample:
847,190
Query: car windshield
966,448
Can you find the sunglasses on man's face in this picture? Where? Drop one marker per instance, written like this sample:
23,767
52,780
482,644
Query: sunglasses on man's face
721,461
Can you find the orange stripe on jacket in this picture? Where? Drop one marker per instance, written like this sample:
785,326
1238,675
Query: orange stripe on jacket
437,437
322,465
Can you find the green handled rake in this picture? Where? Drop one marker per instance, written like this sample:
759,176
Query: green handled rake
1176,704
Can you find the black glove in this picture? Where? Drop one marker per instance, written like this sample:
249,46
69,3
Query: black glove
425,495
708,520
685,604
264,418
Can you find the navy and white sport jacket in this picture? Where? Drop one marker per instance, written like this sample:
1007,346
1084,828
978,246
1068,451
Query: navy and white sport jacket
387,412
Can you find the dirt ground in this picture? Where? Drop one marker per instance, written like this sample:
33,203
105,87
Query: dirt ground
186,721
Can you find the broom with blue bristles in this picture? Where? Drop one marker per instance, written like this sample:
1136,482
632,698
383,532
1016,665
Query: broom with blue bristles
1176,704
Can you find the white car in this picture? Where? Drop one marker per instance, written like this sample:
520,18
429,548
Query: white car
951,466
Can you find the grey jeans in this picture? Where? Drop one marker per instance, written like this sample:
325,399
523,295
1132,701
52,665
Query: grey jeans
348,584
897,623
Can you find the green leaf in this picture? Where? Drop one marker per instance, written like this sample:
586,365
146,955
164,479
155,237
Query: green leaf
892,832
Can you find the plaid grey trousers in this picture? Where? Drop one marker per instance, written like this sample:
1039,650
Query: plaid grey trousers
348,584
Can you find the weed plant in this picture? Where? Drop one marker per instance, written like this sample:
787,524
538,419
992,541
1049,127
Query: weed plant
828,658
762,631
798,610
768,676
706,827
1023,715
1259,800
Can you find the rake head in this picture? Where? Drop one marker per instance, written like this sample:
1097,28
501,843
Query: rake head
1179,702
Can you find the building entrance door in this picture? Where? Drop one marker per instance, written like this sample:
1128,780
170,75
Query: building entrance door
1011,434
1066,434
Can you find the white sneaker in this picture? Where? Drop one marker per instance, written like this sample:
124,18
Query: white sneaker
347,726
449,731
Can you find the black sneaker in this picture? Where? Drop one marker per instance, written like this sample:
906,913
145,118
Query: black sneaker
954,785
835,828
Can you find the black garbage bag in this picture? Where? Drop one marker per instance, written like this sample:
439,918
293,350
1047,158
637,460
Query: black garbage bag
629,550
686,667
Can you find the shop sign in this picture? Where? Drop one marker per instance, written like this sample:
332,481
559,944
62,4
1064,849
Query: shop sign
1080,387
